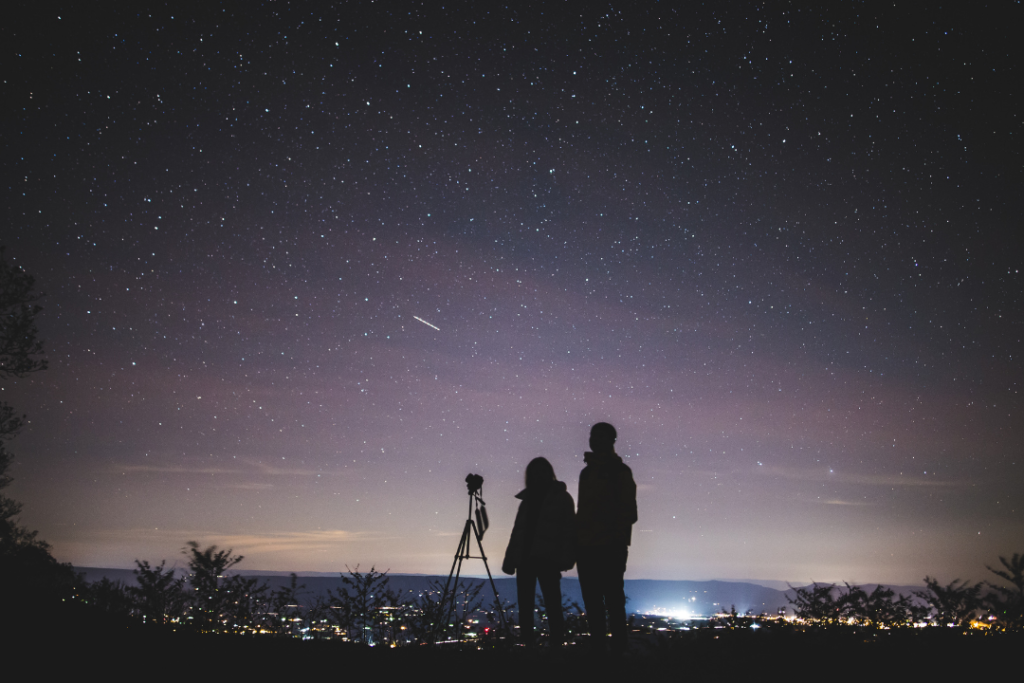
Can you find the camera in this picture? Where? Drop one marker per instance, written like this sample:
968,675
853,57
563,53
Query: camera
474,482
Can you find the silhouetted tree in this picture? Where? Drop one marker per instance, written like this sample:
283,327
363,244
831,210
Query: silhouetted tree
245,604
575,620
19,351
851,605
880,608
467,602
209,597
493,614
317,617
284,607
955,603
110,597
427,620
425,613
30,572
365,606
1008,603
19,347
816,603
160,595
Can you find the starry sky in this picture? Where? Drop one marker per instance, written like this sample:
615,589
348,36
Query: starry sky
307,265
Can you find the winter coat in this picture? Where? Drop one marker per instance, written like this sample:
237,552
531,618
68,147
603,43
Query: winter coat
544,530
607,502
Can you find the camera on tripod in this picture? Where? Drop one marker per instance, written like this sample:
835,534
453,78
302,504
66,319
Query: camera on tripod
474,482
476,525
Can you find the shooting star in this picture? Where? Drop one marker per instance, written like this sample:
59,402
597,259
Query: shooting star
426,323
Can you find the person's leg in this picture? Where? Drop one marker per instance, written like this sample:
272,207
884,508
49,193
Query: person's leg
615,596
550,585
526,584
588,567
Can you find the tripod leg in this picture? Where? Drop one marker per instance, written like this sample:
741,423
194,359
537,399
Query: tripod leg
450,590
459,554
497,599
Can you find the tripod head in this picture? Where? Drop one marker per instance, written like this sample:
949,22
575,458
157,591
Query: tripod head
477,506
474,482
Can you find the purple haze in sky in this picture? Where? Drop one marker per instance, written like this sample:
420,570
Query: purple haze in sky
307,266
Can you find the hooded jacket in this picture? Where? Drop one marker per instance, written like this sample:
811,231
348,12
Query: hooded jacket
544,530
607,502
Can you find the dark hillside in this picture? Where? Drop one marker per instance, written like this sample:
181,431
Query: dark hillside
72,640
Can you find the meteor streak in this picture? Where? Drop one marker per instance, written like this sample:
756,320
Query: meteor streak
426,323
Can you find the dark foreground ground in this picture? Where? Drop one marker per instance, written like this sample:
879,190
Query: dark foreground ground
78,647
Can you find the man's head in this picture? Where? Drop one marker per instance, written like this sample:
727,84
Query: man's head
602,438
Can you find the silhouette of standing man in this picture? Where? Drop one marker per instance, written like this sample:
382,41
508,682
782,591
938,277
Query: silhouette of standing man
605,516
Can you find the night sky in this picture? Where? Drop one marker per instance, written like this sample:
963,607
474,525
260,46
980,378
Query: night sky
307,266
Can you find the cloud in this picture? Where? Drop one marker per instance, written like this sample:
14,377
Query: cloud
832,476
287,471
826,475
248,467
246,543
836,501
289,542
172,469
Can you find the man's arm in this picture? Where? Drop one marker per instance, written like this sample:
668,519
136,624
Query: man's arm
628,497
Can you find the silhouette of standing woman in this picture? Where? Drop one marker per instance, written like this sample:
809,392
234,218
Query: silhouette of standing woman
541,547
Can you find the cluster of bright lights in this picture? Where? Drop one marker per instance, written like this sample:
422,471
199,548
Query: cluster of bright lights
678,613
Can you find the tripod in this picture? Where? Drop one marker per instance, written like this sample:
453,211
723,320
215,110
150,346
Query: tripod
477,526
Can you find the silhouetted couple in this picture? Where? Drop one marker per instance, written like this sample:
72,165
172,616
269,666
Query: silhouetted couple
548,538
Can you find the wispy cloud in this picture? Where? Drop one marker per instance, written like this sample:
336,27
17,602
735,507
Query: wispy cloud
172,469
247,543
246,467
290,542
275,471
836,501
825,475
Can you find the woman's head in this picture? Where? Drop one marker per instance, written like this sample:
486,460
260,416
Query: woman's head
539,472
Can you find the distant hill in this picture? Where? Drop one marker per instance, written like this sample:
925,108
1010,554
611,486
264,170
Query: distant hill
679,598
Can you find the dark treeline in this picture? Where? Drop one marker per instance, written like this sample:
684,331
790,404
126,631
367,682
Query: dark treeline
365,610
28,570
962,604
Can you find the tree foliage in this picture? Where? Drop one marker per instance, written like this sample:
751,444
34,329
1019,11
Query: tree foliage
1007,603
829,605
881,608
28,567
110,597
20,348
955,603
245,605
160,595
283,608
20,352
816,603
458,604
211,591
461,606
426,612
366,608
